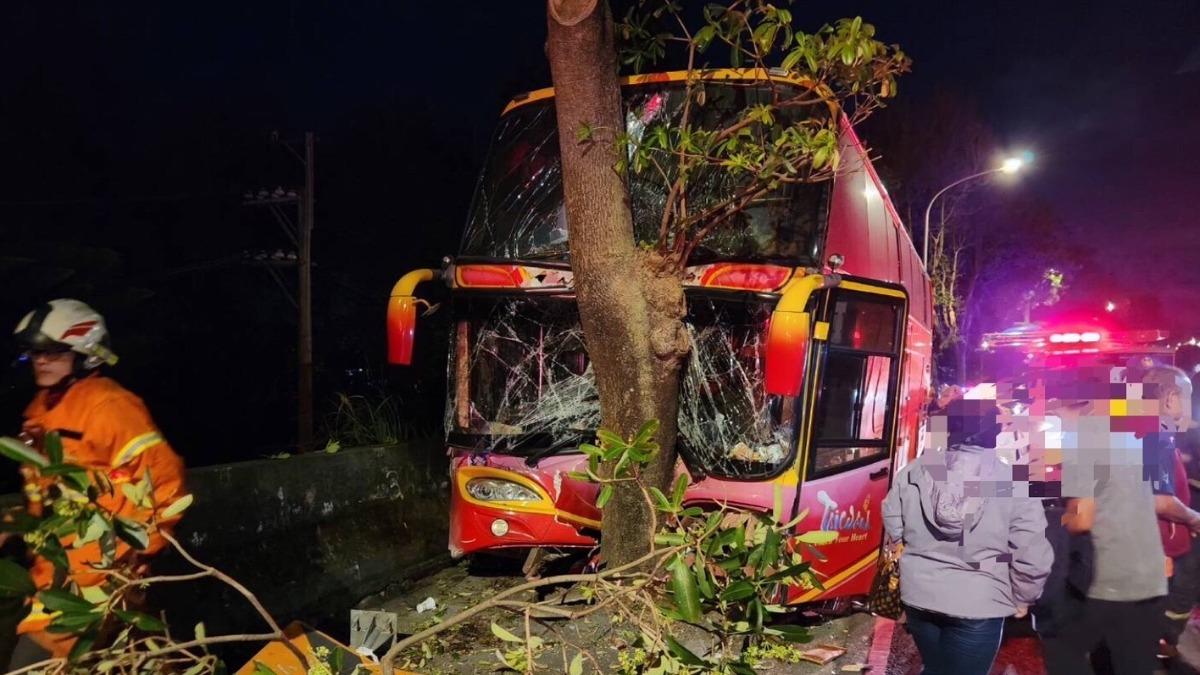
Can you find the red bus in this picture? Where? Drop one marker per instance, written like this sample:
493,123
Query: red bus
810,365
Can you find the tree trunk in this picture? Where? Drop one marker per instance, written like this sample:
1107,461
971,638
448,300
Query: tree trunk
631,303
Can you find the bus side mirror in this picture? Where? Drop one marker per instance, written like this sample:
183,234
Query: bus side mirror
402,317
787,347
788,334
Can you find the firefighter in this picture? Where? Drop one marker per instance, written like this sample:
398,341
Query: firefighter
103,427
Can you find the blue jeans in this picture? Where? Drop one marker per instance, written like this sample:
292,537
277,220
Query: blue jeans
954,646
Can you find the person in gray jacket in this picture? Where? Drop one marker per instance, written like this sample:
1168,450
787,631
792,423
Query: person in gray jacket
975,547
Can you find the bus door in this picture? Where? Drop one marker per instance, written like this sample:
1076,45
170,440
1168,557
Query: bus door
850,439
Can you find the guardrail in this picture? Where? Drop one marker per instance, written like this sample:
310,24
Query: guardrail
310,535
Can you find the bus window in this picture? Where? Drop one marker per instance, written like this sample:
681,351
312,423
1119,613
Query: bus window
857,391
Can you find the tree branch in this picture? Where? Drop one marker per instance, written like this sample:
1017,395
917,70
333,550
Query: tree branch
245,592
496,601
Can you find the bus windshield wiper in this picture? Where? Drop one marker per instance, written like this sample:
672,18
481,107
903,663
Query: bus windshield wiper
569,441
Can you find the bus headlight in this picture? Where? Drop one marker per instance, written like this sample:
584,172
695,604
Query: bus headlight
499,490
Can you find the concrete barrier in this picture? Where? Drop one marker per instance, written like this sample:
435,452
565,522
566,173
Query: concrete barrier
310,534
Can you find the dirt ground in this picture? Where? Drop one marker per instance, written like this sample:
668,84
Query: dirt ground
472,648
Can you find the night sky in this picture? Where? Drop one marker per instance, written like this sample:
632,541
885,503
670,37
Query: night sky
130,130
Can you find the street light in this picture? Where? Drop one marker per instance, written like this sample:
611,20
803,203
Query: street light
1010,165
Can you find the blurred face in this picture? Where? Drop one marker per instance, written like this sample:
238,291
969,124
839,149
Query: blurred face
1178,407
50,368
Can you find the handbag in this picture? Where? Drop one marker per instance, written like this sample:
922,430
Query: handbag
884,599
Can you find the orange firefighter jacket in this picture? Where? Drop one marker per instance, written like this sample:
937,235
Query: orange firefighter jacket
103,427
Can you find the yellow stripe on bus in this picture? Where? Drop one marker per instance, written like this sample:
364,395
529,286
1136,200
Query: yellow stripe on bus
840,578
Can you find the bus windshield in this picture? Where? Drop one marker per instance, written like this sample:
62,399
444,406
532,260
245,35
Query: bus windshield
523,383
517,212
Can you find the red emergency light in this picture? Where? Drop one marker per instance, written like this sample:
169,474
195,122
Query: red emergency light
1075,338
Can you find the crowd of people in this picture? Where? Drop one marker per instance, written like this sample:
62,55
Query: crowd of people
1063,496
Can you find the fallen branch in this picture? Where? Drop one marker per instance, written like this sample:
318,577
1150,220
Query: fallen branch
496,601
277,631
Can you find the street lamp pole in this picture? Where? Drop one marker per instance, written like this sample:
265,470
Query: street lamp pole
1011,165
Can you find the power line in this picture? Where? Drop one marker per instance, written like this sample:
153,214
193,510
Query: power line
118,200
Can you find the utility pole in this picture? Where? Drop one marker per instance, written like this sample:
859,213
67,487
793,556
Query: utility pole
305,389
300,235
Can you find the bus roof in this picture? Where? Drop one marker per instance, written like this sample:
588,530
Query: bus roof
714,75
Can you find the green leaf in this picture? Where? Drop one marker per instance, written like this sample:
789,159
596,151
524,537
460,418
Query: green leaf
97,525
848,53
609,439
132,533
94,594
108,547
756,556
704,37
681,484
576,667
142,621
76,475
178,506
684,654
817,537
499,632
200,632
791,633
764,36
606,493
738,590
669,539
74,622
702,582
660,499
770,549
58,600
21,453
83,645
820,158
197,669
14,580
792,571
261,669
790,525
619,469
814,552
53,446
646,433
684,590
52,550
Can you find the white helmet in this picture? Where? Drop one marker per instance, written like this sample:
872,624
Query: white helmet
67,325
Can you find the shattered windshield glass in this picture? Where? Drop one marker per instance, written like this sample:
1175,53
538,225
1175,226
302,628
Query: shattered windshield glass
521,371
526,371
517,212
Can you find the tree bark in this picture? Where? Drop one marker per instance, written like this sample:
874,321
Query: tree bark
631,302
